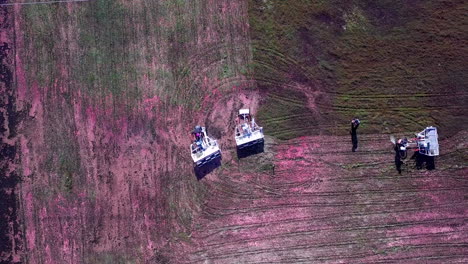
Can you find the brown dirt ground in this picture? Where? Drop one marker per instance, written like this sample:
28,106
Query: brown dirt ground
104,111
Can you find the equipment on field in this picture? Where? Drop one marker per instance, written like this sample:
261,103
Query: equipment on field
247,133
425,143
203,149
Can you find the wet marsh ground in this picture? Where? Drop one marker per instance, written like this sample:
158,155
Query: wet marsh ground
104,94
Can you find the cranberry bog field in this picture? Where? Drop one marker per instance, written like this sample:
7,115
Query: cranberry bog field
98,99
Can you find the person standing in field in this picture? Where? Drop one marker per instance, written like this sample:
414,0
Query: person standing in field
398,161
354,126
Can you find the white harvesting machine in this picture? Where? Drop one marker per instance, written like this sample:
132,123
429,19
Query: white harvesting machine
247,132
426,143
204,149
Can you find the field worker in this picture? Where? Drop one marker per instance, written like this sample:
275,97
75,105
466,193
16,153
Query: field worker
197,132
354,126
418,159
398,161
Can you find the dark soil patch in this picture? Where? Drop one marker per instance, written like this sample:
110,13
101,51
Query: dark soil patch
10,242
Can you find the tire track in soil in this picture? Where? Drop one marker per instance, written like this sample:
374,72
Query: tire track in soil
369,104
310,212
330,216
139,192
374,96
302,221
345,244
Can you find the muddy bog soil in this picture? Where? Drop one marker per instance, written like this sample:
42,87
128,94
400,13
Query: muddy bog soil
98,99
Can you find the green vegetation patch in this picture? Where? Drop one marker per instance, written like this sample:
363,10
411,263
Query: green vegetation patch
408,60
107,62
62,154
109,258
397,65
286,116
40,58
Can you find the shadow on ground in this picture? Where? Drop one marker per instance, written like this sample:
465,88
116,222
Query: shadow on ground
201,172
250,150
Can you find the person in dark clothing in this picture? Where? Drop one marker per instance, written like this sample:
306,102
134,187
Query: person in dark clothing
197,137
354,126
418,159
398,161
430,164
421,159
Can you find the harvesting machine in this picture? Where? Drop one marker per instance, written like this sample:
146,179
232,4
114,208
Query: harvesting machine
203,149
